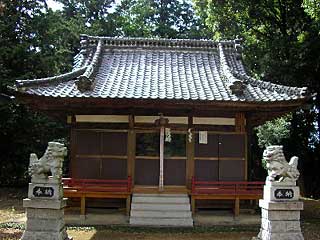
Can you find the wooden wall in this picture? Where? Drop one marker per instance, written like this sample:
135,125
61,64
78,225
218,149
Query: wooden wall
108,151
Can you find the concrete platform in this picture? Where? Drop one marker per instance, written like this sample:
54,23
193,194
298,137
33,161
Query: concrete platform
201,218
225,218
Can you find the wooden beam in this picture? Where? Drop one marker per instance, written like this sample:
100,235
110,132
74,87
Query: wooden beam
240,122
102,118
213,121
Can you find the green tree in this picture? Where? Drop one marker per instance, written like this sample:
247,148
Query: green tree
32,44
157,18
274,132
281,45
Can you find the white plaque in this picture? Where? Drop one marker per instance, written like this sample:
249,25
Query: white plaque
203,137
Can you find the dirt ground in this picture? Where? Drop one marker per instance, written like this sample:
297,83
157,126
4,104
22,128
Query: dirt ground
12,213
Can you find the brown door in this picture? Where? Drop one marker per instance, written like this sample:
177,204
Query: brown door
147,158
147,162
207,158
231,157
100,154
222,158
175,160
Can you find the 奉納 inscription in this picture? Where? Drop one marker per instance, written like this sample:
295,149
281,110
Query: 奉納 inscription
283,193
43,191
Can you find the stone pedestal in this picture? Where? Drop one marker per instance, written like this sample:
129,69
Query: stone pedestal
280,212
45,211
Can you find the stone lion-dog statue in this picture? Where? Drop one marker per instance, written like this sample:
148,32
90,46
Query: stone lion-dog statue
279,170
50,162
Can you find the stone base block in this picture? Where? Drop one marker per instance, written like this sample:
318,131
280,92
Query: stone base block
280,215
49,225
44,203
281,206
45,213
280,226
41,235
265,235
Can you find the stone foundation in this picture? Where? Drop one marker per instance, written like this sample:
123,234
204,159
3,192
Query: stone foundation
45,211
280,212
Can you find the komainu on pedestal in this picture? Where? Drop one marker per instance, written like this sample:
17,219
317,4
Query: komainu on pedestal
280,206
45,202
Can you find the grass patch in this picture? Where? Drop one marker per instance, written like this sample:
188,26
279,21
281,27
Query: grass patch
196,229
130,229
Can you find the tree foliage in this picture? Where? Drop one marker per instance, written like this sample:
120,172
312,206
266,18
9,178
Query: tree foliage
157,18
274,132
281,45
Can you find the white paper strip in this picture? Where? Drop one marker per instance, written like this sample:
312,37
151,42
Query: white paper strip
203,137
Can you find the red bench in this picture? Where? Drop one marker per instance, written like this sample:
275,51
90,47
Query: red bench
96,188
205,190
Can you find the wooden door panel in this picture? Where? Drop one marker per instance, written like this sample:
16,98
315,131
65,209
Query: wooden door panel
232,145
87,168
114,143
147,172
231,170
207,150
174,172
87,142
114,169
206,170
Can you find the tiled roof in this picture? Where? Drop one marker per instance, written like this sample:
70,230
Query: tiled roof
138,68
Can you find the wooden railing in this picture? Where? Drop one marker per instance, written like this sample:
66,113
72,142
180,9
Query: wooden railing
98,185
234,190
97,188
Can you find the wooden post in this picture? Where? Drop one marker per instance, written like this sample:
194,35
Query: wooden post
190,157
240,122
236,207
128,205
83,205
161,158
193,205
73,143
131,149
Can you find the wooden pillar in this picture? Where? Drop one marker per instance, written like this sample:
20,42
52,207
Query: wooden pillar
190,153
83,206
193,205
240,122
249,138
161,158
240,126
128,205
73,141
131,148
236,207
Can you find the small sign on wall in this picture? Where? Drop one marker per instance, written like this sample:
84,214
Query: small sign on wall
203,137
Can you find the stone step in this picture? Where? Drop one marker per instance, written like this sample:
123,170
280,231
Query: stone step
160,214
160,206
154,199
172,222
167,195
